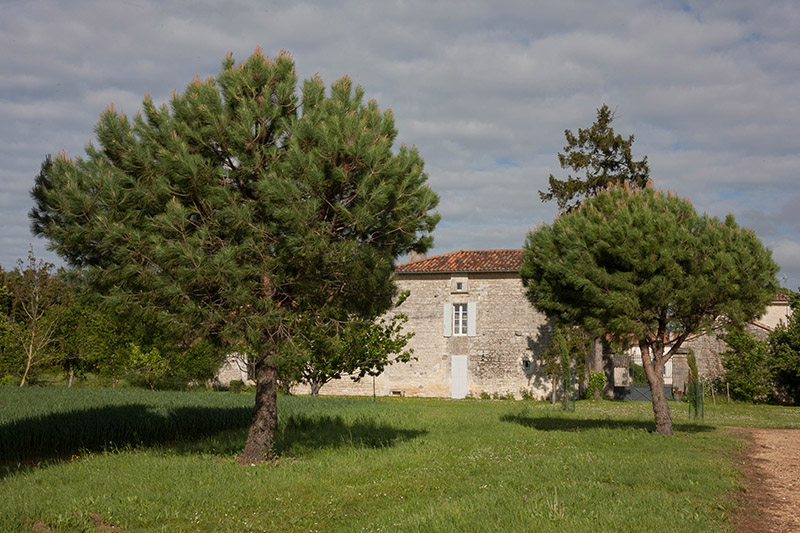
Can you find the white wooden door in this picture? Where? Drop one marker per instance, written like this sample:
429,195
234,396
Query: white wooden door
458,376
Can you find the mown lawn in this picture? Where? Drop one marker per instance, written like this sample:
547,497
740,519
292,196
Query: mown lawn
161,461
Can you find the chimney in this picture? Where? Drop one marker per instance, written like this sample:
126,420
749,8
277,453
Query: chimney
416,256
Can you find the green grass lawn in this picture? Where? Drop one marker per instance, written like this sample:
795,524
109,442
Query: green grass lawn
163,461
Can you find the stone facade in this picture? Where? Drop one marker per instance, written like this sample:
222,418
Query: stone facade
778,311
501,346
708,347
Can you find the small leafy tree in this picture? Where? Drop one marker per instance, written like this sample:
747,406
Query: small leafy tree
38,299
566,354
77,341
598,157
11,355
150,365
354,347
641,264
746,365
241,209
197,363
379,345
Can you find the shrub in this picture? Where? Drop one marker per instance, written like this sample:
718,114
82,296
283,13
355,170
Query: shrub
597,382
746,366
527,394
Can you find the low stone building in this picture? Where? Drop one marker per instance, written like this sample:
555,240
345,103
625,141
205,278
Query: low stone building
474,331
708,346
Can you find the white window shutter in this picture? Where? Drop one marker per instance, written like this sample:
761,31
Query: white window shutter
471,316
447,320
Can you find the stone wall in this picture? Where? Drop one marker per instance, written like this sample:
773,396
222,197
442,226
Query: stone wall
708,348
503,355
777,312
234,368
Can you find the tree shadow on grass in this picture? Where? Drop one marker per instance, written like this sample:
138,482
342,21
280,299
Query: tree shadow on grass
65,435
26,443
298,433
547,423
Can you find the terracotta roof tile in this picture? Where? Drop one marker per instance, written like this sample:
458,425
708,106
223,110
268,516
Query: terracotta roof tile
466,261
780,297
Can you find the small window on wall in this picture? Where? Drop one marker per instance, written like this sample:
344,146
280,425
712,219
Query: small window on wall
459,284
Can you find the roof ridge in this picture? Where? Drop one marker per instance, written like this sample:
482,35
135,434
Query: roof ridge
498,260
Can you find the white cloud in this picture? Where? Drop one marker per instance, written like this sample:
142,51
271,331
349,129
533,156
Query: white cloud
709,89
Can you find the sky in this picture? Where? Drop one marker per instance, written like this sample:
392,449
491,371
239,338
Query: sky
484,90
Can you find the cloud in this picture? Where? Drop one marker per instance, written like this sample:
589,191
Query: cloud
484,90
787,253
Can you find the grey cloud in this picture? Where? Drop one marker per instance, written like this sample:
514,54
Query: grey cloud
709,89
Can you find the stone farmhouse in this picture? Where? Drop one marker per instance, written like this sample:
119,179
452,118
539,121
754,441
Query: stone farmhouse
475,332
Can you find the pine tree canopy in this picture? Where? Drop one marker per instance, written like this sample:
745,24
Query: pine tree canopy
602,157
242,200
641,265
242,204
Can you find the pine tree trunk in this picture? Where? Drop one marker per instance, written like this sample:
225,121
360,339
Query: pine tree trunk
661,408
258,447
654,369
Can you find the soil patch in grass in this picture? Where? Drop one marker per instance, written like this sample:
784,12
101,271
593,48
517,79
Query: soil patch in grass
771,468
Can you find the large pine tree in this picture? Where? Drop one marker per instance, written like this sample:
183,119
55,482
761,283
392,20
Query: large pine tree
241,207
643,266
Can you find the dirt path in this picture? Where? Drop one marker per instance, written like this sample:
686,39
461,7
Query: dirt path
771,471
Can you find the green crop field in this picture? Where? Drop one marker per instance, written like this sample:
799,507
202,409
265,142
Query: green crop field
138,460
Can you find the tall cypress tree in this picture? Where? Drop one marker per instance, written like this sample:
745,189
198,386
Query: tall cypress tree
598,157
239,208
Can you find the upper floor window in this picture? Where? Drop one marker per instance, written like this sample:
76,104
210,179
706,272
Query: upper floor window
459,319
